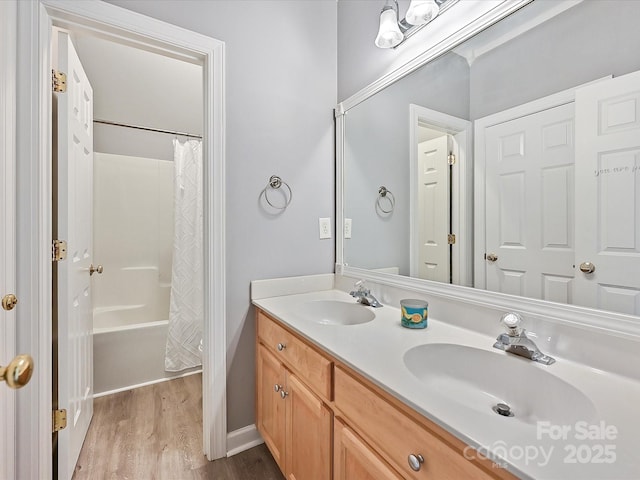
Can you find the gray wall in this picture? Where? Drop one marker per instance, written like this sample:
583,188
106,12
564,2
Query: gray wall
377,153
589,41
280,92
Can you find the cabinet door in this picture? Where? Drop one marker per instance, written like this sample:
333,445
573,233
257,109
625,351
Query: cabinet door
308,434
354,460
270,405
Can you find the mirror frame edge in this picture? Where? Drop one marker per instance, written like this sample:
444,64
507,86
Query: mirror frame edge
578,315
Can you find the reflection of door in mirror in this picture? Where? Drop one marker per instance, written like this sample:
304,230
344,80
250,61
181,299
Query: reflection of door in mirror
607,194
529,205
434,259
559,200
440,230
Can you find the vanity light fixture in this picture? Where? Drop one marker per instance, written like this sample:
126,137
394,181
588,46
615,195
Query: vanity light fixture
393,31
422,11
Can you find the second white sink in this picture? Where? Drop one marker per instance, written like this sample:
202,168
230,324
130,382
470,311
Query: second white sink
480,379
335,312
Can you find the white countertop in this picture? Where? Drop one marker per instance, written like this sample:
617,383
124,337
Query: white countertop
375,350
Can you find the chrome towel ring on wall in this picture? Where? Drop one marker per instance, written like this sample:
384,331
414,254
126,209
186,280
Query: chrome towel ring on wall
275,182
385,199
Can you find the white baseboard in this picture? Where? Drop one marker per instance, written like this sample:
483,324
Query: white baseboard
144,384
243,439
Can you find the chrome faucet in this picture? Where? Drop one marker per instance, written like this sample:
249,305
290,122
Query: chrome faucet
517,342
364,296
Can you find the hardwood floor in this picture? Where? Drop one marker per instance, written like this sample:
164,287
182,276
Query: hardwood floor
155,433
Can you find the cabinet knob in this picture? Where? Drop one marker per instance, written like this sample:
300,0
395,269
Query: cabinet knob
415,461
281,346
277,387
283,394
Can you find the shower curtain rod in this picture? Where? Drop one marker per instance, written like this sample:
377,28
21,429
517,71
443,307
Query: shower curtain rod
149,129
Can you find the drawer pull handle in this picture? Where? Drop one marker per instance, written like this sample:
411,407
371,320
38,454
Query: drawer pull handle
283,394
281,346
277,387
415,461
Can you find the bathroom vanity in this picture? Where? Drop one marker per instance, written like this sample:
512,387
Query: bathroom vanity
345,392
312,407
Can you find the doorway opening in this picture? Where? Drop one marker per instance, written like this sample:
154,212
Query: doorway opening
128,199
440,174
34,450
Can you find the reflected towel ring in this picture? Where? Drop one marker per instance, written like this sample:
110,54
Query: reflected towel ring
383,193
275,183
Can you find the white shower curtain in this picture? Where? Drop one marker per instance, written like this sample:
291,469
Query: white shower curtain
186,311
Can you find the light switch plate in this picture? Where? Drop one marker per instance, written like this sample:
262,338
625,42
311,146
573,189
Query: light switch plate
347,227
325,227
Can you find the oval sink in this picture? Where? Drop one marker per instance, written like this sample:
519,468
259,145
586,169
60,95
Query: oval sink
335,312
480,379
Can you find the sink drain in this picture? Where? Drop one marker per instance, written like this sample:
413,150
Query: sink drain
503,409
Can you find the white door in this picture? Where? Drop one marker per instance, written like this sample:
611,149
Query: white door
608,194
7,231
74,224
529,205
434,208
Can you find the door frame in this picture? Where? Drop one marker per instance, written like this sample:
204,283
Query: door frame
461,223
34,121
8,32
480,125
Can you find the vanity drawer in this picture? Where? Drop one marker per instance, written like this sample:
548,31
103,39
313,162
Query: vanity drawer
396,435
296,354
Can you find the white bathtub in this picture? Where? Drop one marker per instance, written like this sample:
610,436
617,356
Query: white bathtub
129,356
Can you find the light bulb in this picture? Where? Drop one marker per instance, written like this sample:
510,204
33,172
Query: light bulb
389,34
422,11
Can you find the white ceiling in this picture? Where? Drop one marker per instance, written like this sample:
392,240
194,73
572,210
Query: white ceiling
138,87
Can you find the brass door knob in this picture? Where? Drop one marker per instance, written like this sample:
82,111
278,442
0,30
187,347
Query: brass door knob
9,302
99,269
491,257
18,373
587,267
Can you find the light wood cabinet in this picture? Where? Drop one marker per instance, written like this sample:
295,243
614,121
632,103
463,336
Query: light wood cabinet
396,434
295,423
355,460
270,414
303,391
297,354
308,434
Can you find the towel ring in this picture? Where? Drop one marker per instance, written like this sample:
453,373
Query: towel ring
383,193
275,182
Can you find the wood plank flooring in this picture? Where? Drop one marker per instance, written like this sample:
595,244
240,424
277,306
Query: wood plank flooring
155,433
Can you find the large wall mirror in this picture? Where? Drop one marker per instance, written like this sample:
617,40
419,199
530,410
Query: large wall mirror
510,163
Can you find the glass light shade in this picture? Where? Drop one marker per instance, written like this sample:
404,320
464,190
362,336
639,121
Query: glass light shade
422,11
389,34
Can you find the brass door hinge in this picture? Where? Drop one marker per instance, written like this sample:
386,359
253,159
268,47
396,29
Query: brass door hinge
451,239
58,250
59,420
451,159
58,81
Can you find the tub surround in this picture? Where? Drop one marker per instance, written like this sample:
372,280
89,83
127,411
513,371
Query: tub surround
376,349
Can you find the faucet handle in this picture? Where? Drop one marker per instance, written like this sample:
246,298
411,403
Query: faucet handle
512,321
361,288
